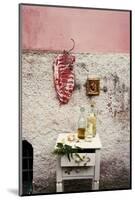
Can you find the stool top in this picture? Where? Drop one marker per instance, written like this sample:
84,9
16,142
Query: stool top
95,142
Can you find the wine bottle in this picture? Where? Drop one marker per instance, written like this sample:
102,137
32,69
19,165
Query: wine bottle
81,124
91,122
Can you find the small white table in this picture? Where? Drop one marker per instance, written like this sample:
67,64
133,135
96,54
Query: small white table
84,165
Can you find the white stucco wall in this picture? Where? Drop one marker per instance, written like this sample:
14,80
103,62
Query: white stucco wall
43,118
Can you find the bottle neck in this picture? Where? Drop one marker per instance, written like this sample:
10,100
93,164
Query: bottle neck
92,111
82,110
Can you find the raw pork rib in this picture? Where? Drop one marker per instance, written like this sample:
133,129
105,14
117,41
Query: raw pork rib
64,77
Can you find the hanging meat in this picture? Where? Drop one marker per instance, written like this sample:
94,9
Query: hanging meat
64,77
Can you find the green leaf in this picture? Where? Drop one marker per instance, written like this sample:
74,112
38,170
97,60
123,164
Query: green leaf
64,149
78,147
68,155
72,155
79,156
59,145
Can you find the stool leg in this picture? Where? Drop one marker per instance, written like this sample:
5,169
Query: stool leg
95,182
59,187
59,182
95,185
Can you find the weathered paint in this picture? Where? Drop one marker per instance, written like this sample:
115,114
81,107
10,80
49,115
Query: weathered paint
49,28
43,117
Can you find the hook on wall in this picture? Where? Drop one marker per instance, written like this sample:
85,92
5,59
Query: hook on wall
72,46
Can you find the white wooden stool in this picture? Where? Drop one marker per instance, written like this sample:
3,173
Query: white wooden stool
88,167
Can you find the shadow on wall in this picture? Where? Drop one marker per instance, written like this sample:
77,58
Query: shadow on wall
114,175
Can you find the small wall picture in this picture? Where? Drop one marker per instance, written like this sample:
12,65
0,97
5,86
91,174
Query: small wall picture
93,86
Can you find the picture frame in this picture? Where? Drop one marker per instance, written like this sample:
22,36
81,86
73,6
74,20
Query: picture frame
93,86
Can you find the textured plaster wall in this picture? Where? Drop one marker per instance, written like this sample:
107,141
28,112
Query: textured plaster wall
43,118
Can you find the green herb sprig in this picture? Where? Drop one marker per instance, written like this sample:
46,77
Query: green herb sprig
64,149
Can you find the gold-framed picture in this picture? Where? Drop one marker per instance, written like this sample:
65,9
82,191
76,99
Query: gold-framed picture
93,86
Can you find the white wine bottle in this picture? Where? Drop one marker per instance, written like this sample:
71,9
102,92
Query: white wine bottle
91,122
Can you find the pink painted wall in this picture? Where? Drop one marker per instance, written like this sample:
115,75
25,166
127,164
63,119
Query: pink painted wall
49,28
